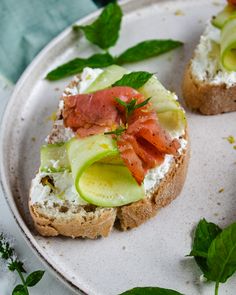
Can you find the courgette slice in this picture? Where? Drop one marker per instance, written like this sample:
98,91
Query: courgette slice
170,114
223,16
108,77
101,184
53,158
228,45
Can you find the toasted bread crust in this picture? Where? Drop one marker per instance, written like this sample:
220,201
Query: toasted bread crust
135,214
208,99
128,216
75,226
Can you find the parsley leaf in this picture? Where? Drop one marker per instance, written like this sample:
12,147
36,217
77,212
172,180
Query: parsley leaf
150,291
104,32
205,233
134,79
146,49
76,66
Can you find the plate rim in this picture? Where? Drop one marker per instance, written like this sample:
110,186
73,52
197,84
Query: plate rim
127,6
24,230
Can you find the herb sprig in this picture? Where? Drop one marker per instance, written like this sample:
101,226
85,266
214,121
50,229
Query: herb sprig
131,106
117,131
104,32
14,264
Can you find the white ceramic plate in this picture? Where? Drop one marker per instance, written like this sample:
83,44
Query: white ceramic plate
153,254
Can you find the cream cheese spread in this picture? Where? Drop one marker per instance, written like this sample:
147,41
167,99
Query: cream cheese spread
206,65
65,190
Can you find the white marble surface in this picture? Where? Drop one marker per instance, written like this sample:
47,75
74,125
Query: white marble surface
49,285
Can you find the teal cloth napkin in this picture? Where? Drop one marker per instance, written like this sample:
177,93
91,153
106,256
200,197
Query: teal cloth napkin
26,26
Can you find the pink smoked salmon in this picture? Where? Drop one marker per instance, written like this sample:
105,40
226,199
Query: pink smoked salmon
142,145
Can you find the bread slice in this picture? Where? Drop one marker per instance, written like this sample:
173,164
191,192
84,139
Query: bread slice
207,87
88,221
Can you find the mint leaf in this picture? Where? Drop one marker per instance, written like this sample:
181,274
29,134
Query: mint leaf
20,290
134,79
205,233
150,291
34,278
76,66
222,255
147,49
104,32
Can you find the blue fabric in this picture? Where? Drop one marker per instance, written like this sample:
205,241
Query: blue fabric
26,26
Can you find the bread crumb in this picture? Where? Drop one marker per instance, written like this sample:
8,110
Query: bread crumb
33,139
52,117
221,190
230,139
179,12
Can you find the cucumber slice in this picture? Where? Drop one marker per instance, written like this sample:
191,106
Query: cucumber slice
110,75
54,158
109,186
170,114
223,16
101,184
228,45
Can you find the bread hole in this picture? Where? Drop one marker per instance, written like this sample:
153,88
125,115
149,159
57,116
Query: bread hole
48,181
89,208
63,209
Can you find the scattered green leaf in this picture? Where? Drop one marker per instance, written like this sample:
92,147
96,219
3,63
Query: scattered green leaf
76,66
104,32
34,278
147,49
150,291
205,233
20,290
215,251
222,255
134,79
